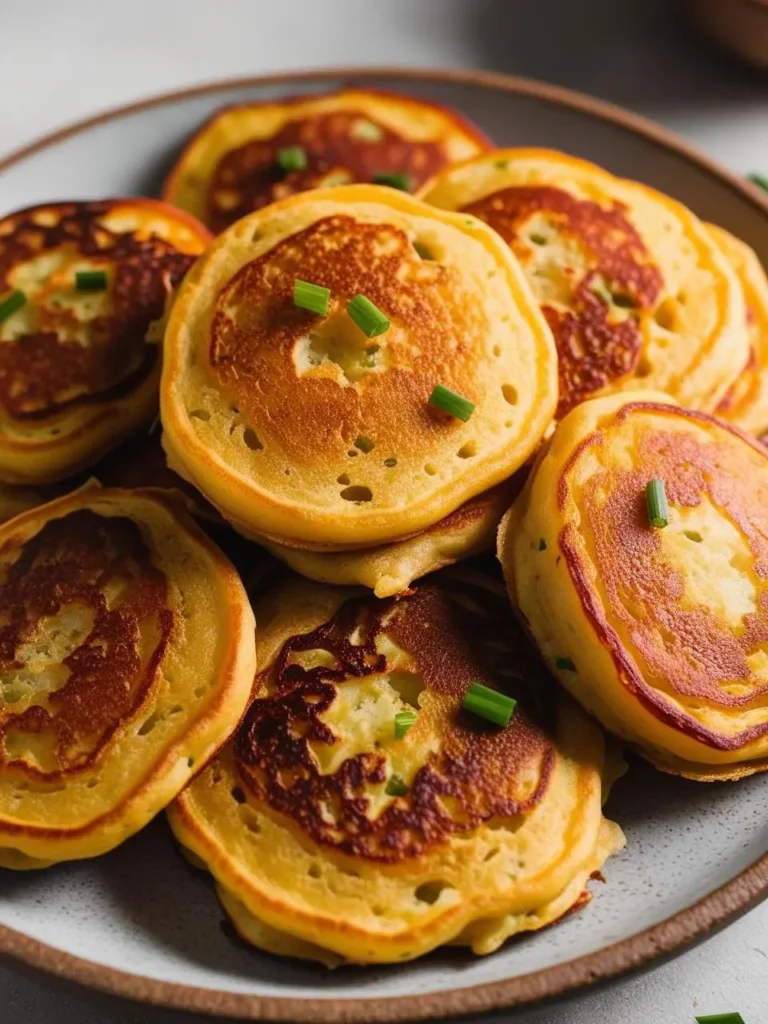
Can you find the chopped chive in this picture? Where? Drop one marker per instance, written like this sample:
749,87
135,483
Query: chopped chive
404,720
721,1018
396,786
292,158
759,179
395,179
368,317
489,704
310,296
91,280
565,664
537,238
447,400
11,304
656,502
542,545
502,165
367,131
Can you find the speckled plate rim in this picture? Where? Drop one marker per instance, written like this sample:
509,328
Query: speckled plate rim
676,933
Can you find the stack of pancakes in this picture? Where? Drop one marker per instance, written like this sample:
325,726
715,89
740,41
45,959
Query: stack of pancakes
331,769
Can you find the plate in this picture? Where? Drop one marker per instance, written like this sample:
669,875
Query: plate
142,923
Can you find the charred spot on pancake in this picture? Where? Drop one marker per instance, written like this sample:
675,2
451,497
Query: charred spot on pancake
426,647
594,316
338,152
60,359
84,623
645,589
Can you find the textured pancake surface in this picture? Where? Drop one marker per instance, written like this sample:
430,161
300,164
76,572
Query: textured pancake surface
76,373
391,568
746,401
495,831
661,633
301,429
632,284
126,659
230,167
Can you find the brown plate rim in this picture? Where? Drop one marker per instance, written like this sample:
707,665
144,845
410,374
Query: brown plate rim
666,938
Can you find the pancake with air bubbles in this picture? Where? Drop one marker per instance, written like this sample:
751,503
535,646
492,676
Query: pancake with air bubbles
301,429
231,166
634,287
76,372
495,831
661,633
126,660
746,401
391,568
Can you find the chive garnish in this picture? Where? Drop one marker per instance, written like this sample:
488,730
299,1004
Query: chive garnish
396,786
404,720
292,158
542,545
11,304
721,1018
91,280
656,502
368,317
489,704
396,179
447,400
565,664
759,179
310,296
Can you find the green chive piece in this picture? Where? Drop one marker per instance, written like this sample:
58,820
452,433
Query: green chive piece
91,280
656,501
489,704
396,786
366,131
565,664
292,158
310,296
447,400
395,180
368,317
537,238
11,304
404,720
759,179
502,165
542,545
721,1018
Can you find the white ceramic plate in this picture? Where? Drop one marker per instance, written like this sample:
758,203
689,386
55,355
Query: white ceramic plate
140,921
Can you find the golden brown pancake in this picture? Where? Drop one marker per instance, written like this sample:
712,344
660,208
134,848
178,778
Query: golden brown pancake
660,633
746,401
231,167
126,660
76,374
299,428
490,831
390,569
632,284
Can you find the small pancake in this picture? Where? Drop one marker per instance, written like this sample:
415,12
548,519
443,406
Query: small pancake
632,284
746,401
498,832
76,374
126,660
660,633
299,428
230,167
392,568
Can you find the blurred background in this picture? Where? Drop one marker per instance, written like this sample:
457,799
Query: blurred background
65,61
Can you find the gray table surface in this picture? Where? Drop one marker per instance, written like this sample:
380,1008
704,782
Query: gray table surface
63,61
